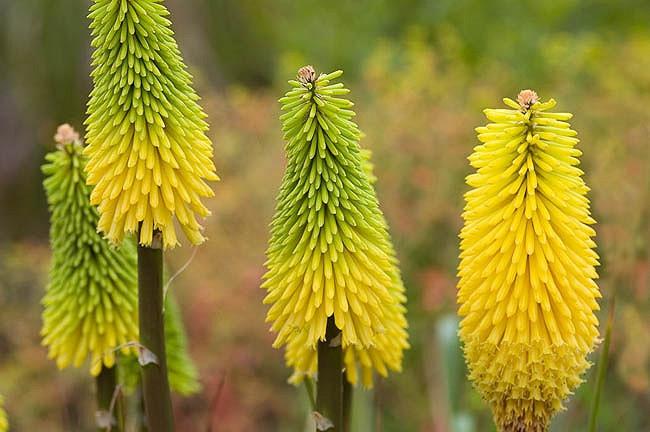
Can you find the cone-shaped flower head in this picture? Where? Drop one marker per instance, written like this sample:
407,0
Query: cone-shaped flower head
149,157
4,423
387,351
526,292
91,298
182,372
330,253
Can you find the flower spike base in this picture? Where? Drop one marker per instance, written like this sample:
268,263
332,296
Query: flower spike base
526,292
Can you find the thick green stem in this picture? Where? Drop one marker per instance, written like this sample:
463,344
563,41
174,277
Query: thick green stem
140,420
106,383
347,404
329,394
155,383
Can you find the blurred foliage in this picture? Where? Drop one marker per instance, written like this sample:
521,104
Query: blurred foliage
420,74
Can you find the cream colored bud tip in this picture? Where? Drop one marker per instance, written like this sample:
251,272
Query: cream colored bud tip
66,134
527,98
307,74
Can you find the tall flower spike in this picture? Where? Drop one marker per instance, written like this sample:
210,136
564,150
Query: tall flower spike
91,299
149,157
330,252
526,292
389,346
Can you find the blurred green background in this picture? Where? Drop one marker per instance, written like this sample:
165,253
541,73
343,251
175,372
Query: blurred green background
420,74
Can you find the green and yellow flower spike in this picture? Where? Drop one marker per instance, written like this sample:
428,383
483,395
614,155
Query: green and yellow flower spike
389,346
91,298
330,253
4,423
149,156
526,292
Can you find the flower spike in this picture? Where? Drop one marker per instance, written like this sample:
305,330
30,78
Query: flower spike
389,346
330,253
91,298
149,157
526,292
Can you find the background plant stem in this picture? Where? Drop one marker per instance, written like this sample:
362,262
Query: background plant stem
329,393
106,382
155,383
347,404
141,417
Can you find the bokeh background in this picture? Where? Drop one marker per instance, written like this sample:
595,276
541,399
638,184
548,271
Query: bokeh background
420,73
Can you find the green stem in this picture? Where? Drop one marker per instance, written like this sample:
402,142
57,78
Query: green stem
140,417
329,394
347,404
602,367
106,383
155,383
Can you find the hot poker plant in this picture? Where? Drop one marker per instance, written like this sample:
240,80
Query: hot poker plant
526,292
91,299
91,308
386,352
149,157
330,259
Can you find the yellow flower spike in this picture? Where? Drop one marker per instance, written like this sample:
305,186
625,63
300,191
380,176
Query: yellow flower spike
330,253
389,344
149,157
526,292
